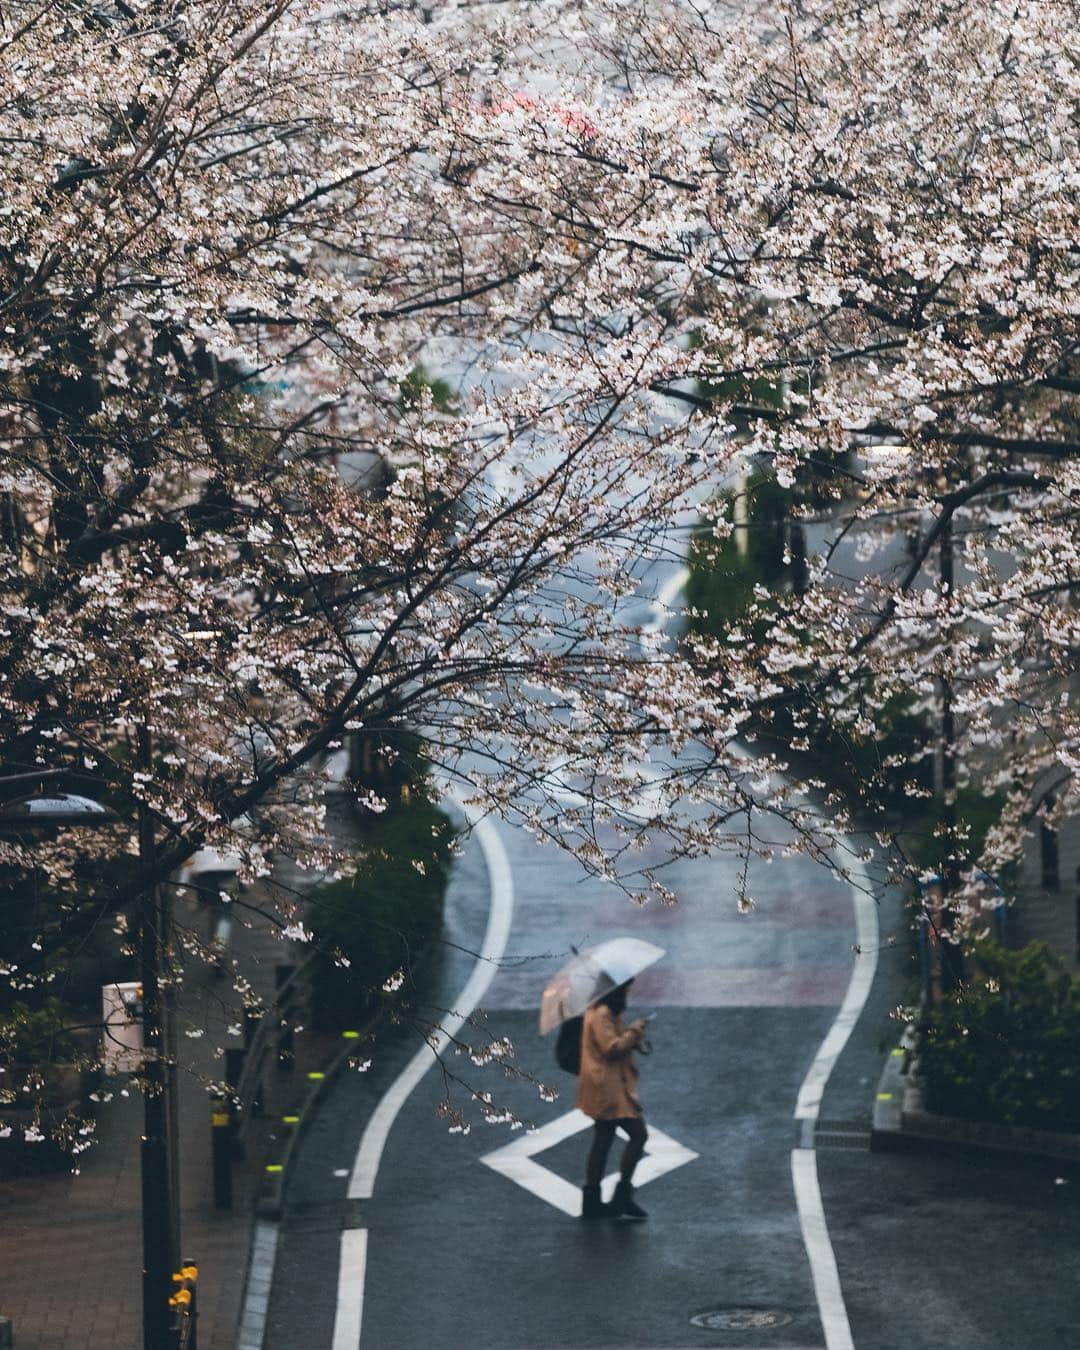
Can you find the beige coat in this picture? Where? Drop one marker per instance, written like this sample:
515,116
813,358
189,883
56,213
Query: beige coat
607,1083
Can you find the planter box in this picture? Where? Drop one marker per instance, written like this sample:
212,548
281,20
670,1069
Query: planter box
902,1123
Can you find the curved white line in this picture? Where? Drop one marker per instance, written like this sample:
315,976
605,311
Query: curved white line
812,1222
804,1174
350,1295
369,1155
815,1232
661,606
862,977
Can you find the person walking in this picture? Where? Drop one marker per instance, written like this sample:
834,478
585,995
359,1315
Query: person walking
607,1091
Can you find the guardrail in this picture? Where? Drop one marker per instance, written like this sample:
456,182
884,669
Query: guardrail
267,1037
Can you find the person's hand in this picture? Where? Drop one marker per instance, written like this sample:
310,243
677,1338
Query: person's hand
638,1024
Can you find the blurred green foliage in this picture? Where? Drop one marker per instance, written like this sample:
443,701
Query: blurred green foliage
975,813
720,590
722,576
412,389
37,1036
380,919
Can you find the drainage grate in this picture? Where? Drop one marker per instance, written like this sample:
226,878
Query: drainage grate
833,1134
842,1139
741,1319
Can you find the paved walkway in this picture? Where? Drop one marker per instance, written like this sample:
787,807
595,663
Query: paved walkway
71,1245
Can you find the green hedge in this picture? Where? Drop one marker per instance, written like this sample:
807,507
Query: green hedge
380,919
1003,1047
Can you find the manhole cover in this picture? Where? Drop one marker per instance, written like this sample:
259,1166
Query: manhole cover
741,1319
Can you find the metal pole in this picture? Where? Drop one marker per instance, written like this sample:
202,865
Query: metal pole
285,1054
157,1222
950,954
221,1150
172,1094
193,1285
234,1071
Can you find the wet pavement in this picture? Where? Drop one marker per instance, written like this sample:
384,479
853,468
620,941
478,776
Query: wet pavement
460,1254
931,1252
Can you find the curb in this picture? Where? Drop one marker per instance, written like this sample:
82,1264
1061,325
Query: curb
277,1167
270,1204
280,1159
903,1125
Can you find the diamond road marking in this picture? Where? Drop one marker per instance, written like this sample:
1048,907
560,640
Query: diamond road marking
662,1154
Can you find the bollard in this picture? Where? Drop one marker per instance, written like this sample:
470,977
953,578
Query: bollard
282,975
185,1307
7,1334
234,1069
191,1274
221,1149
234,1066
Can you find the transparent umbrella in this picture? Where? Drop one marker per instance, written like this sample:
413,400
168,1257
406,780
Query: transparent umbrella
591,974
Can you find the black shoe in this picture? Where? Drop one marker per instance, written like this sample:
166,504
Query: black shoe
623,1206
592,1207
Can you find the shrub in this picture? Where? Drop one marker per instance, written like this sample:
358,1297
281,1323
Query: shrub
722,578
379,919
1002,1047
419,379
37,1036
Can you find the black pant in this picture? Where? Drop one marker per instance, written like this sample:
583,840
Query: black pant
603,1135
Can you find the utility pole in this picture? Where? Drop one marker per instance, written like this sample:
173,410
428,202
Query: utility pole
158,1217
948,729
950,953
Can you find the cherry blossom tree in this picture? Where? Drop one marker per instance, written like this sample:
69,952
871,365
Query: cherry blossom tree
897,200
240,527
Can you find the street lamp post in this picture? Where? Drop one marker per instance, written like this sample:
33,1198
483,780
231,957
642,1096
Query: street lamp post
159,1205
951,958
160,1196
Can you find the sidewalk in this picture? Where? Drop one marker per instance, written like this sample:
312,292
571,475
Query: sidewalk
71,1245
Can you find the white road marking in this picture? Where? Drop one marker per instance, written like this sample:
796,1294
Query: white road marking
804,1175
862,977
815,1232
369,1155
350,1300
665,598
352,1267
516,1162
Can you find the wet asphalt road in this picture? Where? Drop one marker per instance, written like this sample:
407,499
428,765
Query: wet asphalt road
931,1252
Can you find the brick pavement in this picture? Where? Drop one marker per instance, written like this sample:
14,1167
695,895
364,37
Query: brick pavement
71,1245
